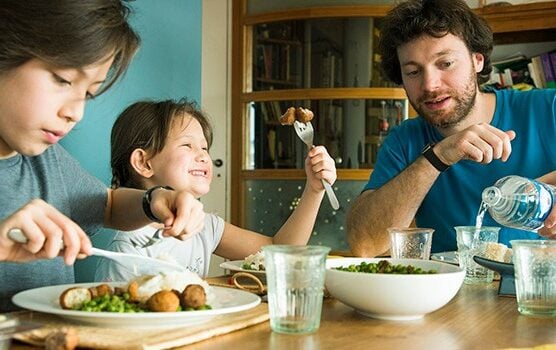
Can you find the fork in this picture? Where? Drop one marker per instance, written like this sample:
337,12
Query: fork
306,133
144,242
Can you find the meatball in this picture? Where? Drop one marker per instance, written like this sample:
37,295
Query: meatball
193,296
73,298
289,117
304,115
163,301
101,290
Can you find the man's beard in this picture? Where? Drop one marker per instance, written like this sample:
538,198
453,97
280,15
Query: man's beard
464,103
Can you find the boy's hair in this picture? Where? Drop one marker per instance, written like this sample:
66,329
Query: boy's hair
67,33
146,125
411,19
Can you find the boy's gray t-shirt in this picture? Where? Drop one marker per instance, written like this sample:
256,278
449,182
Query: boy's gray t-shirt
57,178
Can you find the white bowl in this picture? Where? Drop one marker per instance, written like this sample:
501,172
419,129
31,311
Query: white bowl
393,296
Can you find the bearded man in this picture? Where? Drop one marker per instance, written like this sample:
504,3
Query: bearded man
433,168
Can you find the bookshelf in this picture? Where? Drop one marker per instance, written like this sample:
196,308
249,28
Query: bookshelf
326,62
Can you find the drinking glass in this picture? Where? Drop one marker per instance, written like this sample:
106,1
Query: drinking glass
472,241
295,282
410,243
535,276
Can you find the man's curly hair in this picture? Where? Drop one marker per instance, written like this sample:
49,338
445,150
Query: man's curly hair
437,18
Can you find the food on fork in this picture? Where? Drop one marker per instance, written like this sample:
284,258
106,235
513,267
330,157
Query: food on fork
289,117
300,114
304,115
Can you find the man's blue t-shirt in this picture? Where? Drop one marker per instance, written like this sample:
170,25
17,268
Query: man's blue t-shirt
455,197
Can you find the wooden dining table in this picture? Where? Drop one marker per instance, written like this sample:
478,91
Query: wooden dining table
476,318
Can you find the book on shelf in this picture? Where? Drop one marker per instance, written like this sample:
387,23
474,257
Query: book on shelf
549,78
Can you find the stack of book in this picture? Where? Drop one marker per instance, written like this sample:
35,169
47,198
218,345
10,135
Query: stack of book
520,72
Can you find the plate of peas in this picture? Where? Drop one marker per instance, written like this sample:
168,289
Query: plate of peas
116,311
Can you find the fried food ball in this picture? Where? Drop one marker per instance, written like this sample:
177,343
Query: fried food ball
193,296
73,298
163,301
289,117
304,115
119,291
101,290
64,339
133,290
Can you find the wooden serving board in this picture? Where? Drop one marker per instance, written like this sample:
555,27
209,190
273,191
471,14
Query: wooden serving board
108,338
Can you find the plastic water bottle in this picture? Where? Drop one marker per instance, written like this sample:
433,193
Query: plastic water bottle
519,202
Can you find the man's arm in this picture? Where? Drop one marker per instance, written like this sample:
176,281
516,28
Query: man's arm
396,202
392,205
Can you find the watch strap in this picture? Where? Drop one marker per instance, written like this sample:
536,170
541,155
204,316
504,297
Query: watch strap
429,154
147,197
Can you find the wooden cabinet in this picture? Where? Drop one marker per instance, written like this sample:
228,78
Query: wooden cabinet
324,58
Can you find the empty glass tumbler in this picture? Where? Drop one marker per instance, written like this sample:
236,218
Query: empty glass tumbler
295,282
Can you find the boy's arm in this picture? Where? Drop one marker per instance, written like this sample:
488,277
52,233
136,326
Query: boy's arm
179,211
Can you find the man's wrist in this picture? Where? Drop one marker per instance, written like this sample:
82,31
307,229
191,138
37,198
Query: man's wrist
147,198
429,155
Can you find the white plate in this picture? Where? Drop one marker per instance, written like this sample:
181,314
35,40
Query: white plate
236,265
447,257
222,300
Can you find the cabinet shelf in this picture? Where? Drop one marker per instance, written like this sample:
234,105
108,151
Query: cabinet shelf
324,94
299,174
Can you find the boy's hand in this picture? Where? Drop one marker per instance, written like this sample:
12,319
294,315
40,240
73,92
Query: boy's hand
45,227
180,212
319,165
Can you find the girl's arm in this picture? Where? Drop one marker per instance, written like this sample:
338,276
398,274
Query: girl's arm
237,243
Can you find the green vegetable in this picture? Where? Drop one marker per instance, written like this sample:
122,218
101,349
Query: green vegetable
121,304
383,266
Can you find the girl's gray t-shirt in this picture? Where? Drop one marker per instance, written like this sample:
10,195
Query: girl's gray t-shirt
193,253
58,179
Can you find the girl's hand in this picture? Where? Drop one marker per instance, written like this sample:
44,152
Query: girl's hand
49,233
319,165
182,214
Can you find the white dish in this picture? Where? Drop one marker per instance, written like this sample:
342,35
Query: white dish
222,300
394,297
447,257
236,265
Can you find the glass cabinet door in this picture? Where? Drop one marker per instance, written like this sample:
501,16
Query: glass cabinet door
352,130
316,53
333,54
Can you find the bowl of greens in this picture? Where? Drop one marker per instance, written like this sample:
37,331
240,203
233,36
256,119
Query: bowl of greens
392,289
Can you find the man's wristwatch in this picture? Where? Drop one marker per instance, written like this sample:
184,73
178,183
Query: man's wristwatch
429,154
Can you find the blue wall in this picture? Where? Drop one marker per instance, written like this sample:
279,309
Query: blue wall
168,65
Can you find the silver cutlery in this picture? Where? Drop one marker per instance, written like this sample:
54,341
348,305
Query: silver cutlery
145,241
141,265
306,133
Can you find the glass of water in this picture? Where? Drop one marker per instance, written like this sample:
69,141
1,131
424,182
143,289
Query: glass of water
295,282
473,241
